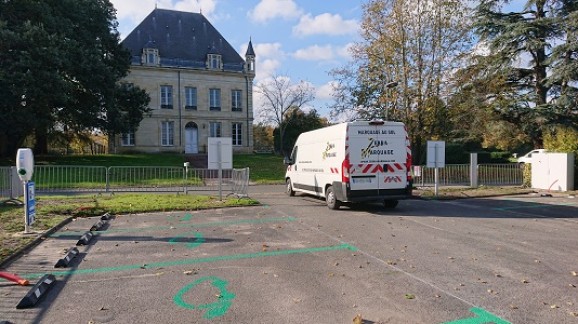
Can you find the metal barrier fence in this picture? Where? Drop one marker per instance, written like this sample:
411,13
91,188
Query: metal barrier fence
506,174
52,179
61,179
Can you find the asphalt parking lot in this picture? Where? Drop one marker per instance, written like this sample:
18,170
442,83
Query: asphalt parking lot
292,260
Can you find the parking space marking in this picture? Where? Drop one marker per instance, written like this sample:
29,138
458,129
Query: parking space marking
525,205
162,228
199,239
191,261
483,317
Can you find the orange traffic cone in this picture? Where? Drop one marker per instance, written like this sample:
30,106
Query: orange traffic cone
14,277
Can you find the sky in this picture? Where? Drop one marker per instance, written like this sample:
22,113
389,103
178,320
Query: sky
301,39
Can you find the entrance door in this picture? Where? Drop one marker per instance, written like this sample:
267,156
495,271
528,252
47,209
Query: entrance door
191,138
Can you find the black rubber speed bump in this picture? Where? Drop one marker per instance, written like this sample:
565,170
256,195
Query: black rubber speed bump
106,216
39,289
85,238
98,225
5,322
71,254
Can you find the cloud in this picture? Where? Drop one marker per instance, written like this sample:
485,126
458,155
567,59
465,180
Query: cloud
315,53
325,24
345,51
271,9
324,92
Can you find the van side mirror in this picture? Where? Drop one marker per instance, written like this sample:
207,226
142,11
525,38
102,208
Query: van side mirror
287,161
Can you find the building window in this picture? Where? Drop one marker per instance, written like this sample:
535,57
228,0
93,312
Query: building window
150,56
236,100
191,98
167,133
214,61
167,97
127,139
237,134
214,129
215,99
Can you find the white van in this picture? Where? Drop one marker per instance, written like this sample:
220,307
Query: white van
356,161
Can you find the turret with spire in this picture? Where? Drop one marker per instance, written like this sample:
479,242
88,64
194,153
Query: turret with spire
250,59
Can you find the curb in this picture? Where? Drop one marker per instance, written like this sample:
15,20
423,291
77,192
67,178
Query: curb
35,242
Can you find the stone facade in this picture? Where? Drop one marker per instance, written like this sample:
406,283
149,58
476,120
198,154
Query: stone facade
181,119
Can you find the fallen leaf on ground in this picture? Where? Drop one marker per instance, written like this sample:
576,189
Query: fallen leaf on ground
358,319
409,296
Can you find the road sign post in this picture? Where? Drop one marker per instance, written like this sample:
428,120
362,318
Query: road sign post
436,158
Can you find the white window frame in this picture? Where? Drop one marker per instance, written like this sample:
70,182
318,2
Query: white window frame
237,134
191,98
214,61
166,96
151,56
236,100
167,133
215,99
127,139
215,129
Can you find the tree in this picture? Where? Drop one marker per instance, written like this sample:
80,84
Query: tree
415,44
534,52
279,96
61,61
296,122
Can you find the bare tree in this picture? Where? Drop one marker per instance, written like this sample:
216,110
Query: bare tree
279,97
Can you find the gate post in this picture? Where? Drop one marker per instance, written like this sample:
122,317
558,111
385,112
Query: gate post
474,170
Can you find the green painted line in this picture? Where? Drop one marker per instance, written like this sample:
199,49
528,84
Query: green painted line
216,309
483,317
161,228
532,206
188,217
199,239
196,261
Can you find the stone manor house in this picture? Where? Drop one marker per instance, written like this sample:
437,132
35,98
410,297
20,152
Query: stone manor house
199,86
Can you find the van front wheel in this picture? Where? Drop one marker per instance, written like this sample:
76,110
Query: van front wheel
289,189
330,199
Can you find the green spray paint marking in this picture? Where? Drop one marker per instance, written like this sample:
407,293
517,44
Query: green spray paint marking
199,239
484,317
529,206
216,309
161,228
187,217
196,261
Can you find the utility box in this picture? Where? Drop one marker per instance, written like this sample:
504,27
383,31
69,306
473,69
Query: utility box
553,171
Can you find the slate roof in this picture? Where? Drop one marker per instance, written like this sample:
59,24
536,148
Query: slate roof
183,39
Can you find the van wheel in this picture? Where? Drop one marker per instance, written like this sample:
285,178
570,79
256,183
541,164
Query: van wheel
289,189
330,199
390,204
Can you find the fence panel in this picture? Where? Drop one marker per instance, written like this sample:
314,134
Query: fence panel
5,183
450,175
69,178
240,179
506,174
164,179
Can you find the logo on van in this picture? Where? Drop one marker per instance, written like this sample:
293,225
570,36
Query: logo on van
327,152
373,144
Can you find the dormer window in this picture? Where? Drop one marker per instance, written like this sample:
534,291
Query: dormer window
214,62
151,56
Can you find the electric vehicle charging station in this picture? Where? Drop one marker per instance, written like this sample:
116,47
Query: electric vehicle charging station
25,170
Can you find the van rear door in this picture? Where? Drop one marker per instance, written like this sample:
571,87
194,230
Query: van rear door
377,153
